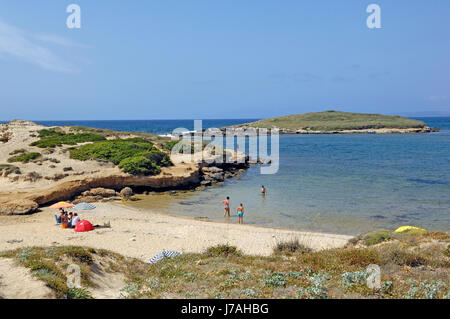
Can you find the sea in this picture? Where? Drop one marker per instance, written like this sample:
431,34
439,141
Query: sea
346,184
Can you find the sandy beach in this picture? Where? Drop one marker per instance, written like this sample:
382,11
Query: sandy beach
142,234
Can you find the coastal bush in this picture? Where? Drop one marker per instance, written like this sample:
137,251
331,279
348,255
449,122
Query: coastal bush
24,157
133,155
223,250
377,237
19,151
52,138
139,165
291,246
397,254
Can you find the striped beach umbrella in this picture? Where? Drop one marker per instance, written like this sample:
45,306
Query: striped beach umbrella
84,206
164,254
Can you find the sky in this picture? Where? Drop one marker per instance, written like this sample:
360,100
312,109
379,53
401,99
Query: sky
205,59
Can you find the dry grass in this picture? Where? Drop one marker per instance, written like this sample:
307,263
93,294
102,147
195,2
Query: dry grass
409,269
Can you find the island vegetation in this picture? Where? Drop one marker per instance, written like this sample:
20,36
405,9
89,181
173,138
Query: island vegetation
335,121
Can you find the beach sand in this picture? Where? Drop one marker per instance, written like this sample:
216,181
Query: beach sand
142,233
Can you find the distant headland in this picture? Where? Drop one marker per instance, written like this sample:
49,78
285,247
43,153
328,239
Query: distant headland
334,122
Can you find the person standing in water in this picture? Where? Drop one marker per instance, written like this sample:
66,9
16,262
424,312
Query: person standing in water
263,190
240,213
226,203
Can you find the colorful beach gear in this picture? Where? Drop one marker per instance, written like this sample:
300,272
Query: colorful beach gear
164,254
62,205
83,226
83,206
409,228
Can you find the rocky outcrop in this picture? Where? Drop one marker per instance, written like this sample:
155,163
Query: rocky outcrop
59,177
239,129
18,207
126,192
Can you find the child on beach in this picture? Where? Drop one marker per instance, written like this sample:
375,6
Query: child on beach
240,213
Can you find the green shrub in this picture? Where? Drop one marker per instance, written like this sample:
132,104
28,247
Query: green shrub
52,138
223,250
113,151
292,246
135,156
139,165
24,157
377,237
19,151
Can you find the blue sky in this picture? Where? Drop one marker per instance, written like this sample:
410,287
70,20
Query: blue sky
221,59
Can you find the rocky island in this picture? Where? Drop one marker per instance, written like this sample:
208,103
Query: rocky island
41,165
335,122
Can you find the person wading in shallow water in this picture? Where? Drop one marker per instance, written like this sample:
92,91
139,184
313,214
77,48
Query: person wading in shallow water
226,203
240,213
263,190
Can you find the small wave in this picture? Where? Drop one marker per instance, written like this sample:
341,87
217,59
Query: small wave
427,181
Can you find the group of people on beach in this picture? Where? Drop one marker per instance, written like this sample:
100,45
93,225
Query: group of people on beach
68,220
240,209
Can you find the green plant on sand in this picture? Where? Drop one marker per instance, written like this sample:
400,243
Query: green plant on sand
133,155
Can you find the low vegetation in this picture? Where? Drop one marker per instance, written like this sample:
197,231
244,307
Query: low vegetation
337,121
133,155
24,157
9,169
52,138
413,266
291,247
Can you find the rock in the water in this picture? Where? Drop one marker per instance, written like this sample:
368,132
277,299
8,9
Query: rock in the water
126,192
212,169
206,183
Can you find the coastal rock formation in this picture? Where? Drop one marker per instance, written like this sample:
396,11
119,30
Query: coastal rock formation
126,192
36,184
18,207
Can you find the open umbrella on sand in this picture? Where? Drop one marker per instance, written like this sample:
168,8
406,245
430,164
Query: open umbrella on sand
83,206
62,205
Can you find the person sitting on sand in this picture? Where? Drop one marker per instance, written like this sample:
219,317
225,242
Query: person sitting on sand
61,217
226,203
240,213
75,220
70,219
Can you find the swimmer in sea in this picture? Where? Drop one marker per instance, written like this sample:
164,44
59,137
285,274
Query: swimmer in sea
226,203
263,190
240,213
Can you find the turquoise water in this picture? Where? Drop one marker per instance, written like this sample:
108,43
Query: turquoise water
333,183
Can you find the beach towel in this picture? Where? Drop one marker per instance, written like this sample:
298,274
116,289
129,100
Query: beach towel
164,254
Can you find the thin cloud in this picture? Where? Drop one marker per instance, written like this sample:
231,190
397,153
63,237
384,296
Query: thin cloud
56,39
25,46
